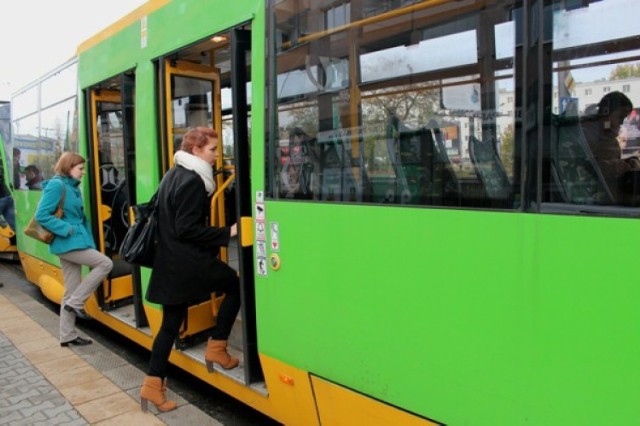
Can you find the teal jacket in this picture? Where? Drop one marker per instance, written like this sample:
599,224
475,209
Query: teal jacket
72,231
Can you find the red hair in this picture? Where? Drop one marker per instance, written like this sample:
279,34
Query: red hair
197,138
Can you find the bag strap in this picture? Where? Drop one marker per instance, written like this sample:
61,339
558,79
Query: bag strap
154,199
64,192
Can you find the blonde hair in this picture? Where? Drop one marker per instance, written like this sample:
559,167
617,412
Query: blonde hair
68,161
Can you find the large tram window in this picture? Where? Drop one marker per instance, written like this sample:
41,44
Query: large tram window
57,134
37,146
25,139
393,110
592,142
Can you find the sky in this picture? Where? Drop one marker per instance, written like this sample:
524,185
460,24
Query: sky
37,36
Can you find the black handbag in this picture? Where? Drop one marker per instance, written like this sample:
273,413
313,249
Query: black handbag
139,244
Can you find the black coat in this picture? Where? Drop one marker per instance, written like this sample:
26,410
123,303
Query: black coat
186,268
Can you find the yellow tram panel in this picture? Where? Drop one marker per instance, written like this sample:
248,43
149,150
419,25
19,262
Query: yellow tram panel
339,406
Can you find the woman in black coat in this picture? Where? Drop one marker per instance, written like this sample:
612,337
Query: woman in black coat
186,267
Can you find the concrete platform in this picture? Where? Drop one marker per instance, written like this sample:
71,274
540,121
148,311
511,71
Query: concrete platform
42,383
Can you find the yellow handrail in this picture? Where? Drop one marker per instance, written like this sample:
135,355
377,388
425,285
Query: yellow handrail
365,21
216,196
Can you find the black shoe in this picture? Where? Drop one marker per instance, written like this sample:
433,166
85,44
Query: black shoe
80,313
78,341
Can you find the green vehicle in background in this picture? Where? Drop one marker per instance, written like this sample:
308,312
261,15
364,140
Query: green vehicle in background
8,249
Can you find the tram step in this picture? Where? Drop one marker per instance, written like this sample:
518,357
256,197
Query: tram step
235,338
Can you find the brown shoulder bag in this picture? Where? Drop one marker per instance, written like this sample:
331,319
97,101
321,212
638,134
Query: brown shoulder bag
37,231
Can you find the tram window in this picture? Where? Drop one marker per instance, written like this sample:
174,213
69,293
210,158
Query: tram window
26,148
59,86
428,84
593,136
25,103
40,139
191,105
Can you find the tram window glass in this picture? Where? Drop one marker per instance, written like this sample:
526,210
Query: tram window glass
26,139
59,86
25,103
111,150
594,133
5,122
56,134
414,108
5,130
227,122
191,105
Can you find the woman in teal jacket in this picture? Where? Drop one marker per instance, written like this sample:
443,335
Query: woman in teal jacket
73,243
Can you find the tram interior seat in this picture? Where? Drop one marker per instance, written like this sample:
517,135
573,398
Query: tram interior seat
490,171
343,175
576,176
423,168
449,188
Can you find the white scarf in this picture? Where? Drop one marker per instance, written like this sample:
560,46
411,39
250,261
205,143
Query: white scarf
198,165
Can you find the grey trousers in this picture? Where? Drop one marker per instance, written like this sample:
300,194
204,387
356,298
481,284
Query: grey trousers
76,289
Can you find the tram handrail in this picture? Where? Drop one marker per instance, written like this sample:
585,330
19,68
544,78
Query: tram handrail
216,196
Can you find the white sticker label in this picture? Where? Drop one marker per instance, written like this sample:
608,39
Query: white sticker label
275,236
261,235
260,213
261,248
143,32
262,266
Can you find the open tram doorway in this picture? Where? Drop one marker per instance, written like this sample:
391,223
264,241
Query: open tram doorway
112,151
205,84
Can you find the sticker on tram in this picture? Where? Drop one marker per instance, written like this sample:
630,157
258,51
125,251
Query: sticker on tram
275,236
261,235
262,266
260,213
261,248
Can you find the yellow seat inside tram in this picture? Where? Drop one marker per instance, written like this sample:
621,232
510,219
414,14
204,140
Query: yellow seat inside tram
118,285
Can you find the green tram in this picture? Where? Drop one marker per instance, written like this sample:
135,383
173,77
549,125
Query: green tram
426,233
8,249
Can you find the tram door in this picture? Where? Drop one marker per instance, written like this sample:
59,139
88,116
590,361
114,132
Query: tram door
193,100
111,142
199,94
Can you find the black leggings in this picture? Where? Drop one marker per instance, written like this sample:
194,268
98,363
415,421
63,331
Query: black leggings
174,315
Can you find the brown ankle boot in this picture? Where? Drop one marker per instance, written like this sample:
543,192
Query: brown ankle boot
153,389
217,352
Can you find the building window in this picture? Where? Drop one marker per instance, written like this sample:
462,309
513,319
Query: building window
626,88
